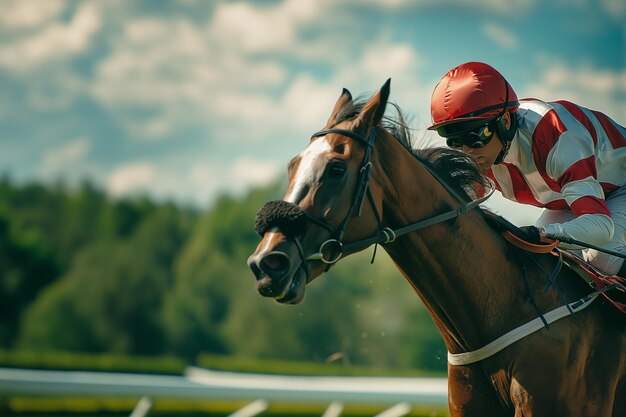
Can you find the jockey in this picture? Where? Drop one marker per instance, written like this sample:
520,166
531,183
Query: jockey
566,158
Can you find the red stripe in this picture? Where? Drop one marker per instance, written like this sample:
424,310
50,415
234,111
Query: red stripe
608,188
590,205
546,134
581,117
615,136
579,170
521,190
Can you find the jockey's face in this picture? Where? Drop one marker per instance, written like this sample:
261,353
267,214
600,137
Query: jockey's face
487,155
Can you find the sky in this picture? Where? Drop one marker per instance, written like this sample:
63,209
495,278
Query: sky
186,99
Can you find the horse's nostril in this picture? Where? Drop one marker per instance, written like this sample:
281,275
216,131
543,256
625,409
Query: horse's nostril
258,274
275,262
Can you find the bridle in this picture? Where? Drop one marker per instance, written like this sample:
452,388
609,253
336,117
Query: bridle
361,190
331,250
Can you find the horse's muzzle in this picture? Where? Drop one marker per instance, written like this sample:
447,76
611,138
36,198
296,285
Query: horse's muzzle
276,275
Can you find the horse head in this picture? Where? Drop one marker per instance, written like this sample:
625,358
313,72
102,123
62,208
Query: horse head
330,199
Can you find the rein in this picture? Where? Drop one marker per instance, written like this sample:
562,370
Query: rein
571,241
388,235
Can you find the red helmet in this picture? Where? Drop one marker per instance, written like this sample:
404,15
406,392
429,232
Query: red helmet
471,92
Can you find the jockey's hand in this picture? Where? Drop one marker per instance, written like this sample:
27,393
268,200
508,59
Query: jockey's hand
533,234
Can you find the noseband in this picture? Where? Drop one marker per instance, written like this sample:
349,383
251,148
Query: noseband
291,220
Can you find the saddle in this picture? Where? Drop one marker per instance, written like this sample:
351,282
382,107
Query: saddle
613,287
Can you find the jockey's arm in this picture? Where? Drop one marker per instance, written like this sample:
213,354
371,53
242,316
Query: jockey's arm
572,165
596,229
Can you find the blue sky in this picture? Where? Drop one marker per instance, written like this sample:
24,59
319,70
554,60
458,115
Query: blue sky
186,99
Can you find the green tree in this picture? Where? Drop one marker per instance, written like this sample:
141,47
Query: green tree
26,267
118,287
207,274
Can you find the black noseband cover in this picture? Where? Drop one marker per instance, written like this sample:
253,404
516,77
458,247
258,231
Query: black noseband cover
288,217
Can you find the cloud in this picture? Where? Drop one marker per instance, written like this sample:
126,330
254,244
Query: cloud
247,172
615,9
163,75
197,182
132,178
588,86
62,158
306,102
24,14
157,78
205,179
384,58
254,29
492,6
151,62
52,42
500,35
401,62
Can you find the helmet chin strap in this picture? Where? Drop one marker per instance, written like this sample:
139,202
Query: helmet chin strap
506,144
506,136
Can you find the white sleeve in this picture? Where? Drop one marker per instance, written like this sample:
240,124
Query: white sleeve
596,229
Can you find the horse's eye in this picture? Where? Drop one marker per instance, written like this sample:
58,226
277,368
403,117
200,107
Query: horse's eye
336,170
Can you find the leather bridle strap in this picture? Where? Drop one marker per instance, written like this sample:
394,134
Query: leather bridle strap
349,134
362,185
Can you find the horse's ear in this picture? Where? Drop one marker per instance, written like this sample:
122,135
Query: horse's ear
345,98
374,110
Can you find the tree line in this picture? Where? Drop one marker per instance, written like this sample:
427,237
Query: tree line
81,272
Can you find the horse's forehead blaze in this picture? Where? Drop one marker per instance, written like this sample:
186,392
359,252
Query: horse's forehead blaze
312,161
269,240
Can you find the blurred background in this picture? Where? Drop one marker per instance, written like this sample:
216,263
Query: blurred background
139,138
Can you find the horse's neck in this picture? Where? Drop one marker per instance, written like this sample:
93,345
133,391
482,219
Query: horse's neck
460,280
456,267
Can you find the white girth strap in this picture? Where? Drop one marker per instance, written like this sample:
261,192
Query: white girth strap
516,334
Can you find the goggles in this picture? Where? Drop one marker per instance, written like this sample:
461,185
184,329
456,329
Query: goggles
474,137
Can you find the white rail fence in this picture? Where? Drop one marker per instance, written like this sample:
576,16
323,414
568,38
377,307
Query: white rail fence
260,389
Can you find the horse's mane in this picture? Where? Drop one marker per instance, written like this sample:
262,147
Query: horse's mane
453,167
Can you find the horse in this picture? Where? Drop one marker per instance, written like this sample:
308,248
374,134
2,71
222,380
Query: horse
360,182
